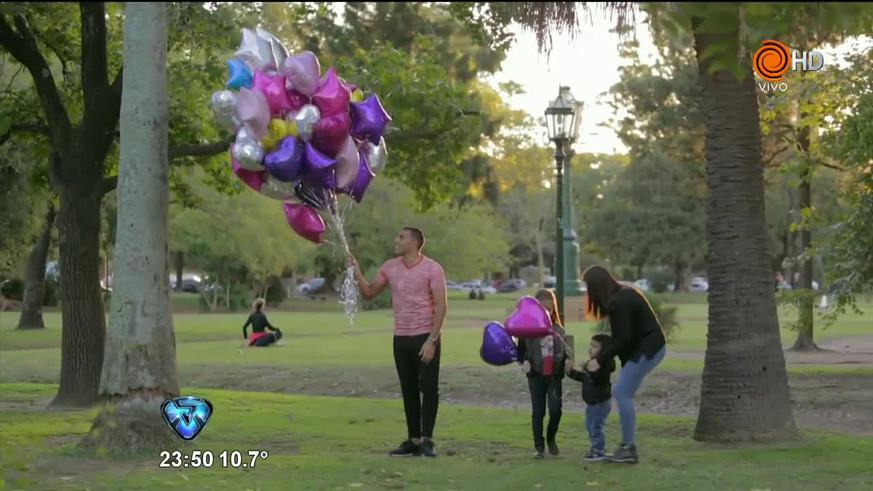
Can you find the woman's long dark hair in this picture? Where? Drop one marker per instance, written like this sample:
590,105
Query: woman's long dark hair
601,287
549,297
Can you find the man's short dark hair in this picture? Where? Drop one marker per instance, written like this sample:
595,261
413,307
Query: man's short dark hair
417,235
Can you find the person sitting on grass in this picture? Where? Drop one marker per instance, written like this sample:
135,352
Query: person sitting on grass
597,394
258,320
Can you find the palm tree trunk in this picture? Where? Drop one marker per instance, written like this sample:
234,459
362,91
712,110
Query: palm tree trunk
34,281
744,392
806,306
139,371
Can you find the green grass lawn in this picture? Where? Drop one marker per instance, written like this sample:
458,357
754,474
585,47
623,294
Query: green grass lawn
337,443
319,442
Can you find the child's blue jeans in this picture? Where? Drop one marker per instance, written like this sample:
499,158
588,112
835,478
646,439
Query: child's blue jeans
595,422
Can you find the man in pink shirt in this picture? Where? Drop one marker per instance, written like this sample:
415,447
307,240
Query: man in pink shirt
418,295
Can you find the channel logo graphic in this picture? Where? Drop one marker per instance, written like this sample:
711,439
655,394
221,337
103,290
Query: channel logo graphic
774,59
187,415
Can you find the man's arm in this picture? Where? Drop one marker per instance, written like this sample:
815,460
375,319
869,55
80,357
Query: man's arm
440,307
440,304
368,290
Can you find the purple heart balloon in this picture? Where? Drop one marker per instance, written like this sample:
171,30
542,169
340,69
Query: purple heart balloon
320,169
253,179
331,133
530,320
286,162
303,72
359,186
369,119
331,97
497,346
305,221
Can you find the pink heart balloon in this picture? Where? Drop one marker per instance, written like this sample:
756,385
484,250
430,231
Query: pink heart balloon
305,221
273,88
530,320
253,179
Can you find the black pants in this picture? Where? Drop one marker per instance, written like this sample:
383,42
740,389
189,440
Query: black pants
268,339
542,390
419,384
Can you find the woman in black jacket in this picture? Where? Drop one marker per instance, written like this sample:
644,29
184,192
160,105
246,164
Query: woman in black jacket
637,339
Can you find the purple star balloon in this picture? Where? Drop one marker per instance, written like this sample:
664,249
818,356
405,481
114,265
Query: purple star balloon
369,119
359,186
320,169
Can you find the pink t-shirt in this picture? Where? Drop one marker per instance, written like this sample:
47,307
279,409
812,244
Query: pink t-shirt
412,293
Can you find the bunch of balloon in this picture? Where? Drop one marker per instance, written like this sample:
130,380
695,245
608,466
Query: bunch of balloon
301,136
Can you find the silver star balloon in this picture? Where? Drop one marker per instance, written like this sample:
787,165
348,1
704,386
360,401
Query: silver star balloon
255,51
224,108
377,155
306,119
277,49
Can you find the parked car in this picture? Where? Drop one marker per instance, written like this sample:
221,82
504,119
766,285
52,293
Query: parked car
312,285
643,284
511,285
191,282
549,282
698,284
471,285
453,287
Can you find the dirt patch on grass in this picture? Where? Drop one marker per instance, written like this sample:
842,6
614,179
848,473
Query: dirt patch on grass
839,402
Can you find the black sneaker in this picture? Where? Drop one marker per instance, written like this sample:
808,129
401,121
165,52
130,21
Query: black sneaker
406,449
593,456
427,448
626,454
553,448
539,453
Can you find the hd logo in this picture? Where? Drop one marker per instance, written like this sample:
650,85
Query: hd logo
186,416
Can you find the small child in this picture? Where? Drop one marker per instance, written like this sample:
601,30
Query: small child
597,394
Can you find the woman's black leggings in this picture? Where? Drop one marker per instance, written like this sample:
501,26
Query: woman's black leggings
268,339
419,383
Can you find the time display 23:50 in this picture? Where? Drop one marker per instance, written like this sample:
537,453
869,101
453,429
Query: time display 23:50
206,459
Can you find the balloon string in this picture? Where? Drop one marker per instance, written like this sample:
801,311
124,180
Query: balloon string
349,292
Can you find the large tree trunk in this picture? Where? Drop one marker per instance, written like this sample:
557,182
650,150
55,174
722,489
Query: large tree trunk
84,322
680,274
744,392
34,280
139,371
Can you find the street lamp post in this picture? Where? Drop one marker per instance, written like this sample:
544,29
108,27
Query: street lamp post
562,121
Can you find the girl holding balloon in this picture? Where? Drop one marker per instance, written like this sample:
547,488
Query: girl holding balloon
543,361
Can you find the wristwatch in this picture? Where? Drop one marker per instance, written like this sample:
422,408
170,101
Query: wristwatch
432,340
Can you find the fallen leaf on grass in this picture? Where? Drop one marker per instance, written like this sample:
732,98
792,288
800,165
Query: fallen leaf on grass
592,483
